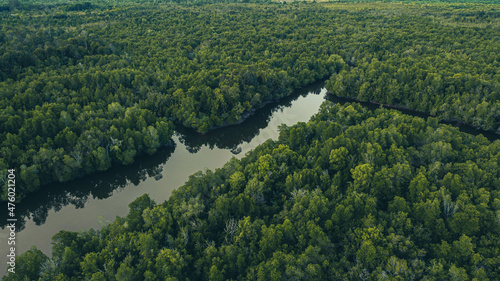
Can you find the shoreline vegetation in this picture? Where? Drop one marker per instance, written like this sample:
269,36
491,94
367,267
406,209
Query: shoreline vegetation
91,71
252,111
353,191
351,194
115,93
244,116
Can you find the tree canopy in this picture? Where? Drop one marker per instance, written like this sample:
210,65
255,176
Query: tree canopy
84,86
352,194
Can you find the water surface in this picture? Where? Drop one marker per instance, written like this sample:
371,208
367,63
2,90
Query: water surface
97,199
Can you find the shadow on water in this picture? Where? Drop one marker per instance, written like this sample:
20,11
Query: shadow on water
230,137
100,185
103,185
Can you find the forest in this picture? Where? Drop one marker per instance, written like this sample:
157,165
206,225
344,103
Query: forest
352,194
87,86
80,93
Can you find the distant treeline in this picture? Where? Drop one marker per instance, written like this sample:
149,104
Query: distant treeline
451,69
75,5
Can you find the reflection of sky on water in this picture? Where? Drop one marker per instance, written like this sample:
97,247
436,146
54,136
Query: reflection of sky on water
84,203
88,202
278,112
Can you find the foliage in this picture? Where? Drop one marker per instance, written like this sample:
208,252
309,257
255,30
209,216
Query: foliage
352,194
82,91
86,85
445,64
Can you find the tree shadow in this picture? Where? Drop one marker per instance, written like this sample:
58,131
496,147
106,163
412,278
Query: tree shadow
100,185
230,137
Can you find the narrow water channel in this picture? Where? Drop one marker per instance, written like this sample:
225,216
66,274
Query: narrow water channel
97,199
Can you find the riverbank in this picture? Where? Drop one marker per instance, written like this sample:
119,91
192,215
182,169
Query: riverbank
252,110
98,199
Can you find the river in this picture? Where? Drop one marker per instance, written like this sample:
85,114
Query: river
97,199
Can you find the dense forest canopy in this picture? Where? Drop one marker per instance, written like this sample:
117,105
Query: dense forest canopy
80,92
352,194
87,4
451,78
85,85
